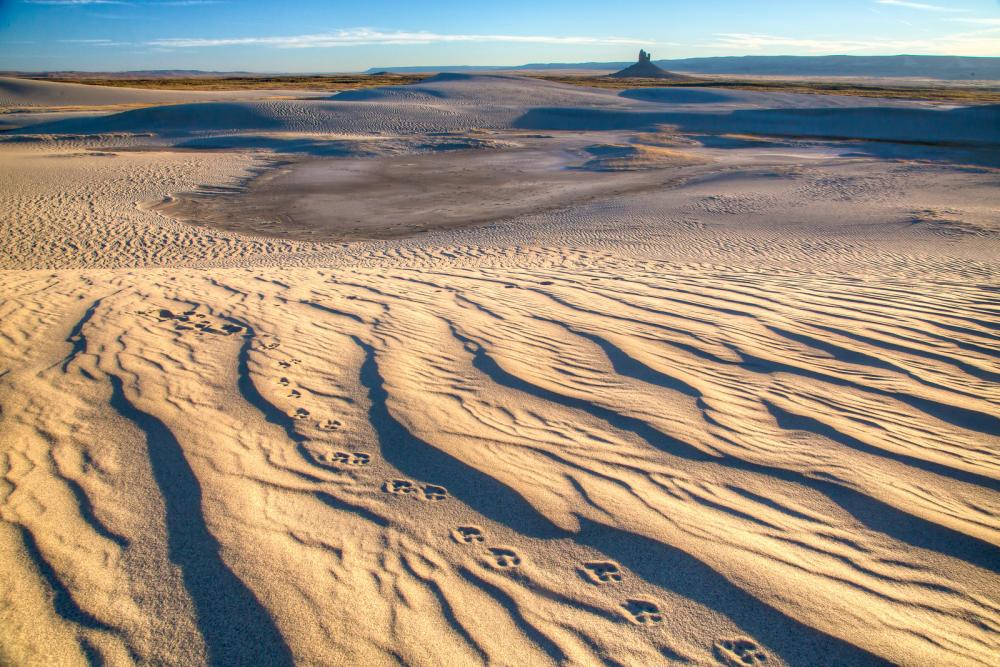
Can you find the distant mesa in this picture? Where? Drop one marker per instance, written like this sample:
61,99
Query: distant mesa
645,69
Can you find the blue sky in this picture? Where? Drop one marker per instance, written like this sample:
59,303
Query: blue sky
329,36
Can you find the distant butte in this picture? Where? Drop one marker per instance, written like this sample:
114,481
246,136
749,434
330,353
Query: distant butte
645,69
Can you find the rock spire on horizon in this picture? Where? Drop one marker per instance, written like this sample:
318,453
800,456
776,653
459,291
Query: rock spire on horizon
645,69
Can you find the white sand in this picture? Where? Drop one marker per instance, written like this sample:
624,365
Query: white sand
745,417
27,93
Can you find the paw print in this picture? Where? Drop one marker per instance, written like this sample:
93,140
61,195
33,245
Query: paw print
330,424
643,612
740,653
300,413
351,458
433,492
468,535
504,558
400,487
602,572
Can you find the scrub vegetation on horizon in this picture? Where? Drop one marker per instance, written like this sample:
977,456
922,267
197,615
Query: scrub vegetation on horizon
987,92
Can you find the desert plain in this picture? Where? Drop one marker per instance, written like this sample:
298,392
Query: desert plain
496,370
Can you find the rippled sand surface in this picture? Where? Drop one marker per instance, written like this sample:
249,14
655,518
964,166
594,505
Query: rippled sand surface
745,414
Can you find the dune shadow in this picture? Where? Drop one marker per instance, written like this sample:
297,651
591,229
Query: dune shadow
976,126
236,627
871,512
168,119
411,93
960,417
62,600
792,422
677,95
499,595
421,460
256,142
674,570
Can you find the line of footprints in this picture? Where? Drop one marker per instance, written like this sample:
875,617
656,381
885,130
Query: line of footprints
641,612
739,652
301,414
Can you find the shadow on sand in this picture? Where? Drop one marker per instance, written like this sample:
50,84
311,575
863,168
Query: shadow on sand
421,460
235,626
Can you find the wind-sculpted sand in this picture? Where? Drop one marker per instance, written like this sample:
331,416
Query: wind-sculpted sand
732,401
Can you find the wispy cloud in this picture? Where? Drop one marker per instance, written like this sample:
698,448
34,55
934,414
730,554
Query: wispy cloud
71,3
147,5
756,42
95,42
978,21
363,36
976,43
922,6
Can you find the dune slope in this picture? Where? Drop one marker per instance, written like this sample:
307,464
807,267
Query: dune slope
745,417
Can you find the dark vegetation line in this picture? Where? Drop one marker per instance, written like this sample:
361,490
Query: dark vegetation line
353,81
303,83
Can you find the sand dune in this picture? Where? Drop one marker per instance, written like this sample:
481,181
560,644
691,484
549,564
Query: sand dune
33,93
740,410
457,102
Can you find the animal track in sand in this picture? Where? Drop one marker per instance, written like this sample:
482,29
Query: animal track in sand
739,653
404,487
330,424
643,612
193,321
283,382
504,558
400,487
289,363
300,413
268,346
602,572
351,458
231,328
433,492
340,458
294,393
468,535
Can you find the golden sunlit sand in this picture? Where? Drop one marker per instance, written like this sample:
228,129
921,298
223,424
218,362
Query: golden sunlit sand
488,370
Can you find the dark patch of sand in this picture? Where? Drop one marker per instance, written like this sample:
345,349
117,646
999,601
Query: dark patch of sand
347,199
